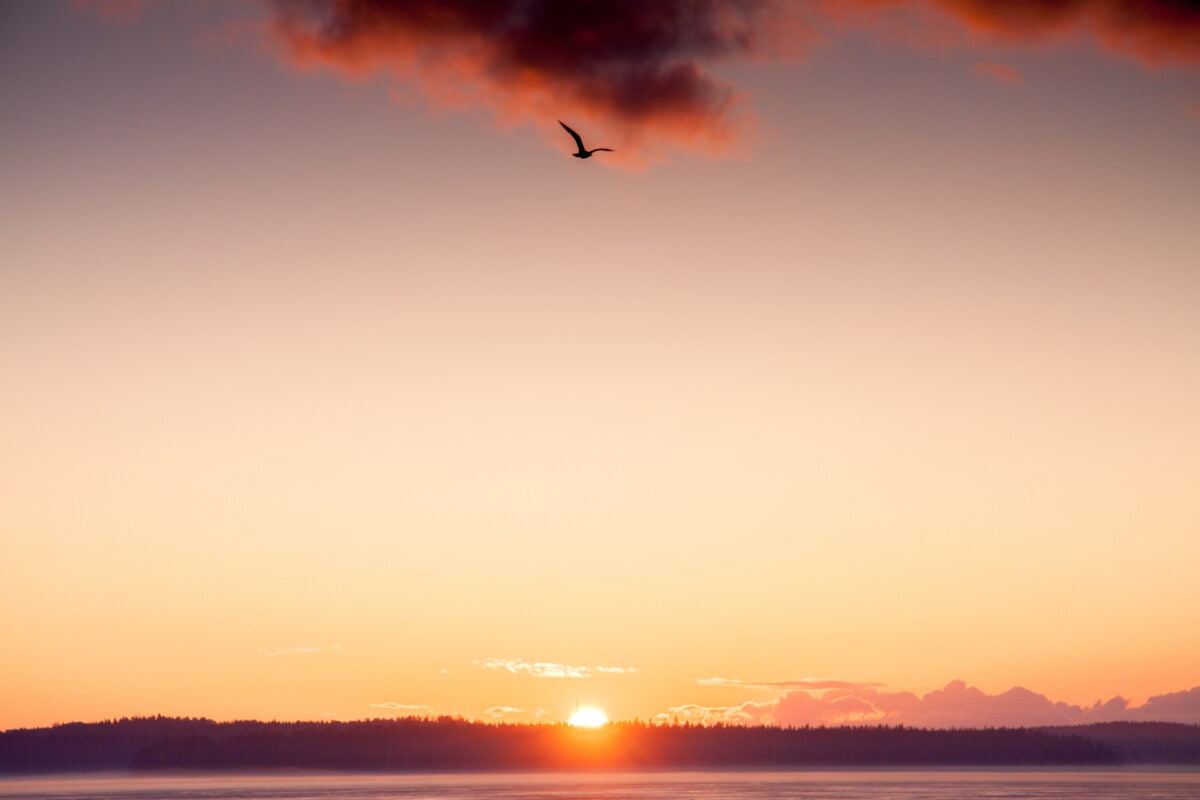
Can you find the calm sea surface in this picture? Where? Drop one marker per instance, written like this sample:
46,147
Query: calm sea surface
1064,785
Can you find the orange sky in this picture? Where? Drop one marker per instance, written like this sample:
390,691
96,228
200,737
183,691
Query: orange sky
322,399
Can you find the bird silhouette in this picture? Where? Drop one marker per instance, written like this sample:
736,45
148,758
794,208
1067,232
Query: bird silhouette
583,152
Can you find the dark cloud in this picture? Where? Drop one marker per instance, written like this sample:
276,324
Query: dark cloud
624,71
639,76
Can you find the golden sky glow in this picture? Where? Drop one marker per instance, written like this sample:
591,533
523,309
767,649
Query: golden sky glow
326,394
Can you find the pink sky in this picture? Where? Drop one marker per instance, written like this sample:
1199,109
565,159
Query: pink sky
858,384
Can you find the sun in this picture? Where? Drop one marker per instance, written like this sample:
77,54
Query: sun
588,717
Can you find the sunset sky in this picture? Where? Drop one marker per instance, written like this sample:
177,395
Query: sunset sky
861,383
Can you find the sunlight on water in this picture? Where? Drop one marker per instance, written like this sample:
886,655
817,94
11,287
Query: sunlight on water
620,786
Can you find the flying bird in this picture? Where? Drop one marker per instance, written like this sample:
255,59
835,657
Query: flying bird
583,152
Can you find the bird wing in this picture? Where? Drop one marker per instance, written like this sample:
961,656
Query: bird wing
574,135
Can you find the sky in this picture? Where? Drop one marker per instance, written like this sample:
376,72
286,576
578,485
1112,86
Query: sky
858,384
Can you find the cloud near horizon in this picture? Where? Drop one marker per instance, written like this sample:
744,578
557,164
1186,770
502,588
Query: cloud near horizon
549,669
509,713
499,712
954,706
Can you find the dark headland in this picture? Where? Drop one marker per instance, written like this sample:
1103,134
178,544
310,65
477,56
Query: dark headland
450,744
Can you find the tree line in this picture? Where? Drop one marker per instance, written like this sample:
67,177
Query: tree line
452,744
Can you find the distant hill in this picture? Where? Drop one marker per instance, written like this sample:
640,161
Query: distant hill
455,744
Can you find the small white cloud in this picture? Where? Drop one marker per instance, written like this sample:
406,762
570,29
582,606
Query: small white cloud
715,681
549,669
410,707
537,669
500,712
708,715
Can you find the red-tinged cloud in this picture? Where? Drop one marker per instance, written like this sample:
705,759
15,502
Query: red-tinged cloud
956,705
627,74
1152,31
639,76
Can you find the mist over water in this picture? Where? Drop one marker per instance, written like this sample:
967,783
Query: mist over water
864,785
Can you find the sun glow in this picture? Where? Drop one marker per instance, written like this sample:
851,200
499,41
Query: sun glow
588,717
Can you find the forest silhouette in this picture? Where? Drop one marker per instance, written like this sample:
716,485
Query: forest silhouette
452,744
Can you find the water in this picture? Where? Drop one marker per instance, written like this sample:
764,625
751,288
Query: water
914,785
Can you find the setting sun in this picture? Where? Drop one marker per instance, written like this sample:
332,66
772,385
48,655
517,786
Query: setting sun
588,717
